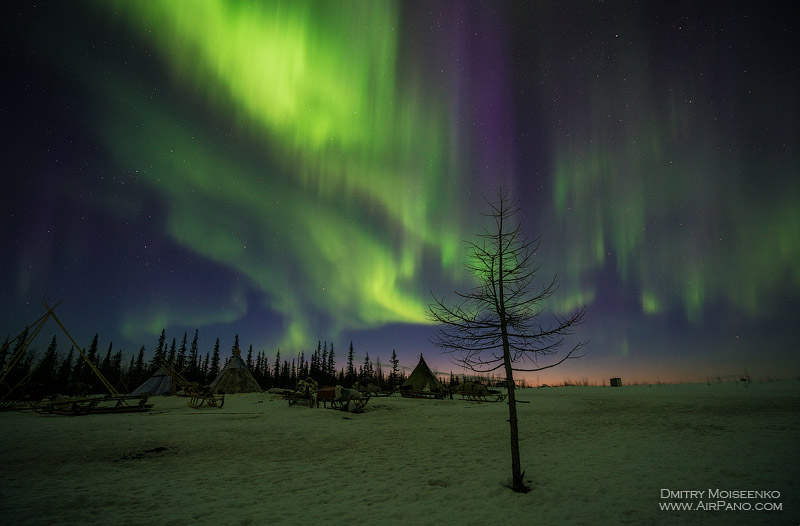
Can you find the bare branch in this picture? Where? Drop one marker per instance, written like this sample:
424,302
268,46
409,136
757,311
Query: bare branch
501,313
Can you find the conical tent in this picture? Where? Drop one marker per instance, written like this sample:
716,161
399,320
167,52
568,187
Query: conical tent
422,379
235,377
157,384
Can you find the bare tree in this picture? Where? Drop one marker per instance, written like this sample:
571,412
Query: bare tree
497,324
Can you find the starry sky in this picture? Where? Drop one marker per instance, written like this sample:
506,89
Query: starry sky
295,171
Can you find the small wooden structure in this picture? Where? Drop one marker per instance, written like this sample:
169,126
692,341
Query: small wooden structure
616,382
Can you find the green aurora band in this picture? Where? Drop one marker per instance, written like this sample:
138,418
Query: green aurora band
655,176
317,89
299,146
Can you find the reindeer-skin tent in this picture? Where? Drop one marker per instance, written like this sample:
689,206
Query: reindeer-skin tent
159,383
235,377
422,382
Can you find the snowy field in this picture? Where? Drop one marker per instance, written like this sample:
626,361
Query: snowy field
593,455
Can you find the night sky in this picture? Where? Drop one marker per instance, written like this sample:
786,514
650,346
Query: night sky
294,172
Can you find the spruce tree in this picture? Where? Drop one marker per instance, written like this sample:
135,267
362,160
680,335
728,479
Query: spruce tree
172,353
87,375
285,375
4,353
276,370
105,365
380,380
13,373
257,368
394,377
160,356
65,372
331,377
350,376
46,370
194,366
180,363
314,369
367,374
114,374
214,367
138,371
125,377
323,363
204,371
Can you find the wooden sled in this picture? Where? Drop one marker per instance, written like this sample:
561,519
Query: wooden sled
203,395
299,397
490,396
382,393
327,395
95,405
410,393
305,393
12,405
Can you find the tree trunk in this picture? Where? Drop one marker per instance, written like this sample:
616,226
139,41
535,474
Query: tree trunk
517,475
517,483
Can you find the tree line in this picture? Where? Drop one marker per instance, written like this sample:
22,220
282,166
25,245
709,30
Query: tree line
69,374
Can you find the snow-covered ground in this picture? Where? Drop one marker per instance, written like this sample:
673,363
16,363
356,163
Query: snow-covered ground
593,455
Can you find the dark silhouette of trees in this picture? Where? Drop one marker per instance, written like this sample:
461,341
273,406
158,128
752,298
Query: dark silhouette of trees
285,376
497,324
276,370
249,361
105,365
203,373
180,362
115,372
74,376
350,375
64,375
394,376
85,375
139,369
46,370
323,365
194,365
262,372
160,356
213,368
366,373
330,368
4,353
171,357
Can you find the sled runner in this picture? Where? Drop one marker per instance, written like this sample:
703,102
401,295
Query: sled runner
95,405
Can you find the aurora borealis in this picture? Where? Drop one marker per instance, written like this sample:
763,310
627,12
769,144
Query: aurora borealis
301,171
